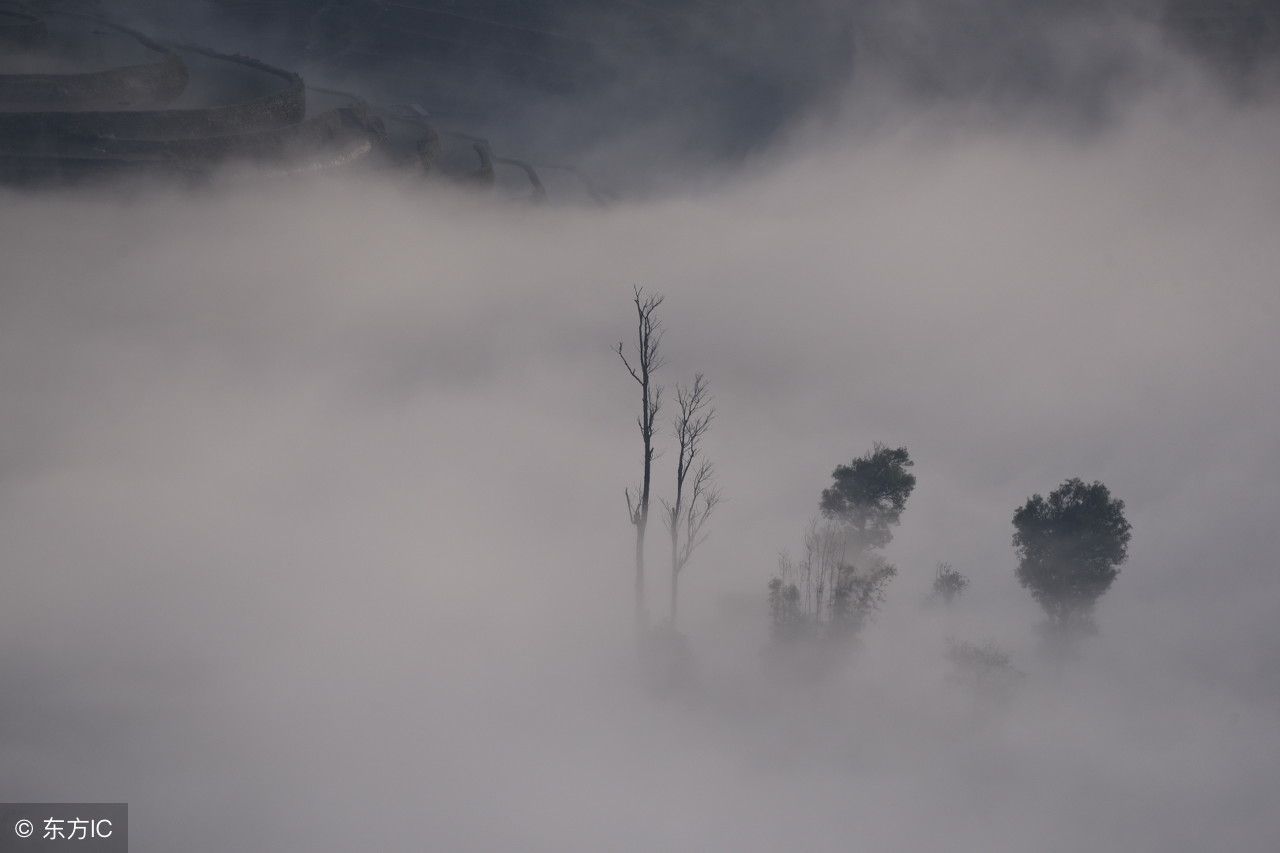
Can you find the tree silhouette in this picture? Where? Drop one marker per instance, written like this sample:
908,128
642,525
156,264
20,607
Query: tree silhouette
1069,548
869,495
838,582
948,583
696,492
822,592
647,360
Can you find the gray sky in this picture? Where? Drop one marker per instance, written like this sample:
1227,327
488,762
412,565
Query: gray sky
311,509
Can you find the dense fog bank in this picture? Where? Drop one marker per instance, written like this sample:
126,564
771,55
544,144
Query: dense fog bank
313,531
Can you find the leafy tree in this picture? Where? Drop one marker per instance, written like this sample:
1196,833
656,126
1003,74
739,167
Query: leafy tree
1069,548
859,592
948,583
838,582
869,495
822,592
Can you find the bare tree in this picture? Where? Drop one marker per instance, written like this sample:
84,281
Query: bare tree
696,491
823,591
647,361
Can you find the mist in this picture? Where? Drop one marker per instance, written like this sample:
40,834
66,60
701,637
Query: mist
312,517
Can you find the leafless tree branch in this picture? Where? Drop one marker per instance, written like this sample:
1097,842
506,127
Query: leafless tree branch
646,360
695,499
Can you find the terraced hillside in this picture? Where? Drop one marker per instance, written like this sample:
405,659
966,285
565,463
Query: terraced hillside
83,98
730,74
551,78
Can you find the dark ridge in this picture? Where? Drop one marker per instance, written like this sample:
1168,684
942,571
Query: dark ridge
20,31
154,82
69,114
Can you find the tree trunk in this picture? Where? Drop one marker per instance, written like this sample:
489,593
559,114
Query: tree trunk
642,522
675,571
640,620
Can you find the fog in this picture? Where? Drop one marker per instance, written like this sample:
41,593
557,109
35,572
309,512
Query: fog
312,517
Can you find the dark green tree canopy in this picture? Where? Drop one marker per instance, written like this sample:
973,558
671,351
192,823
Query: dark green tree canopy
870,493
1070,547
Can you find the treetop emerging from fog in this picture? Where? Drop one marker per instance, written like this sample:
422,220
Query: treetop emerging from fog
870,493
1070,547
